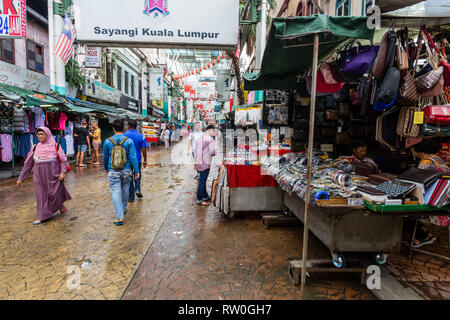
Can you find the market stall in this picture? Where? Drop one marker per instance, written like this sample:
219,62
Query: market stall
359,91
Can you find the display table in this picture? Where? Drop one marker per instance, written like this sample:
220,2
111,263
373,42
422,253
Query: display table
248,176
244,189
345,229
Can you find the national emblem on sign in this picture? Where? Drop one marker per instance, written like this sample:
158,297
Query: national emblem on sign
156,8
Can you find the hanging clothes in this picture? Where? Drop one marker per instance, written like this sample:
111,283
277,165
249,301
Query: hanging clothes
62,141
39,117
69,145
7,152
19,120
24,145
53,120
68,130
62,121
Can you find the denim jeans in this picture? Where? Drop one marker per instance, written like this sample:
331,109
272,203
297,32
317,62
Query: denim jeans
119,185
202,193
135,185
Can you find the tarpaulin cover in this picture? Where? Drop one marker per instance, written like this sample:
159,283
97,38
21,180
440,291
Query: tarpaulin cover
289,50
97,107
248,176
32,98
430,13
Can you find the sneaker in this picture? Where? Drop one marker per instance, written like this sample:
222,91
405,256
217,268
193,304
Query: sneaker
139,195
424,242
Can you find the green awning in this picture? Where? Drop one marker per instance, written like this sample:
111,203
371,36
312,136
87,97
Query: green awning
32,98
78,109
289,50
96,107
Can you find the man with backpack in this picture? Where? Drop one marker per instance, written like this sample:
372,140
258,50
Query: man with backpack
119,156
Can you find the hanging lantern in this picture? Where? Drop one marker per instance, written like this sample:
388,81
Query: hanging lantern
218,59
209,65
204,67
223,55
214,63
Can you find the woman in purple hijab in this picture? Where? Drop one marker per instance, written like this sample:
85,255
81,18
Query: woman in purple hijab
49,165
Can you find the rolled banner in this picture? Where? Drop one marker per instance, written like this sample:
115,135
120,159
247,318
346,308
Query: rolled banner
322,195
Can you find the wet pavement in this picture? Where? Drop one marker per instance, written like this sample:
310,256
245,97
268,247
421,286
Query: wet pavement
169,248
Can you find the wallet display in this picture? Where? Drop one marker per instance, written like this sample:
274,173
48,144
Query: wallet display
426,177
396,188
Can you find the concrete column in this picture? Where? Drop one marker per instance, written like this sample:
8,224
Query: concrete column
51,42
144,70
59,67
261,30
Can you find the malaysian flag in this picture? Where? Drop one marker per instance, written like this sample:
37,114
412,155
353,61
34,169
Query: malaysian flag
64,46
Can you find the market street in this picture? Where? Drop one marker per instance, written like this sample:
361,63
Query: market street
193,252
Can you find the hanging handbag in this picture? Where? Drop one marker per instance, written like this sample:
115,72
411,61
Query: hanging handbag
386,133
406,126
325,70
356,60
402,59
323,86
331,115
380,60
439,114
443,59
435,130
428,80
408,90
344,110
437,90
388,90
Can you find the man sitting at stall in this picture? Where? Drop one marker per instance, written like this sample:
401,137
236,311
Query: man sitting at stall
360,152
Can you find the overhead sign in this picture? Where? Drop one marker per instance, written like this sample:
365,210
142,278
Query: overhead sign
93,57
205,90
223,85
13,75
13,19
129,103
99,90
177,23
156,84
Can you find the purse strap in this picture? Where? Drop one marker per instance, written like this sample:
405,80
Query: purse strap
430,40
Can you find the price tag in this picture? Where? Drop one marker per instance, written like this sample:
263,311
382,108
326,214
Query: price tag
418,117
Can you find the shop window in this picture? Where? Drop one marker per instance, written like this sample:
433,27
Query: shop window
7,50
343,8
127,82
132,86
35,57
119,78
299,11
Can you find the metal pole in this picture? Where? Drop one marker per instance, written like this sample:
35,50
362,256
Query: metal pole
51,42
310,156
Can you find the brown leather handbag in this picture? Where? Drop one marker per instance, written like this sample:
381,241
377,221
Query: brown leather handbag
325,69
380,60
331,115
343,139
402,59
437,90
408,90
406,126
344,110
429,80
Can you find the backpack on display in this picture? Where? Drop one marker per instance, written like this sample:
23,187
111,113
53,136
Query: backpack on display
118,154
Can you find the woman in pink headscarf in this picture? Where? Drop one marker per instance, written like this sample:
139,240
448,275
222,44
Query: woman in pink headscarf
49,165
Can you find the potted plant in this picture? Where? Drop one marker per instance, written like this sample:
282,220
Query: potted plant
74,78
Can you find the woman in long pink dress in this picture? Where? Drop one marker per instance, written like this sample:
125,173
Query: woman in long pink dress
49,173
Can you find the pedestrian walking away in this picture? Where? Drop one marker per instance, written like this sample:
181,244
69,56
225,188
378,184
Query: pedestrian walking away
205,149
96,143
140,145
119,158
48,162
191,142
166,137
84,143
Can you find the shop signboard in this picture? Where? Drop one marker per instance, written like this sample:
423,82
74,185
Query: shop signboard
189,108
129,103
13,19
156,84
96,89
206,90
158,104
223,84
159,22
13,75
93,57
